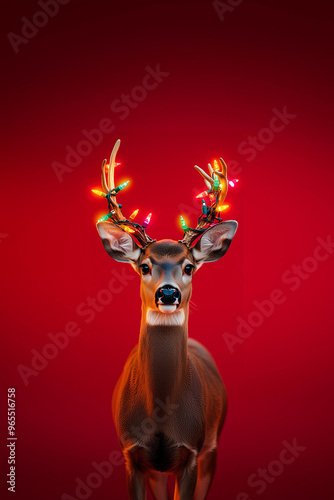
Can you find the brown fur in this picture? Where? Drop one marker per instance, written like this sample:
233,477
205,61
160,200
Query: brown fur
170,403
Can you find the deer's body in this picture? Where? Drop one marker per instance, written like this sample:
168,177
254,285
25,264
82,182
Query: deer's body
169,422
170,403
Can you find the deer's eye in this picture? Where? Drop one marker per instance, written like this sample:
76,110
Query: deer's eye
144,269
188,269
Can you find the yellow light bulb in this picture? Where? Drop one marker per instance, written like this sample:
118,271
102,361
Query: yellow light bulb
99,193
126,229
222,207
134,214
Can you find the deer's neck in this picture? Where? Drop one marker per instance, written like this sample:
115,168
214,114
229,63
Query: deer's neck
163,355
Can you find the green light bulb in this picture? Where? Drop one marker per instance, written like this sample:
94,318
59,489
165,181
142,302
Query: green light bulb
106,217
120,187
184,225
216,183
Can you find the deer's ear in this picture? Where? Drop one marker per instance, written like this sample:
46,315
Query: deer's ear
215,242
119,244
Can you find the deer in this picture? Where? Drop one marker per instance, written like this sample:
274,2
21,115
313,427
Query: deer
170,403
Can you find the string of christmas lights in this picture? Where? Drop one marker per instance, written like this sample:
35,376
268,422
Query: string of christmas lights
213,193
209,216
113,192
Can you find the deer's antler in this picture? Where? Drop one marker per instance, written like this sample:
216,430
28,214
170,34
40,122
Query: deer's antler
217,185
115,215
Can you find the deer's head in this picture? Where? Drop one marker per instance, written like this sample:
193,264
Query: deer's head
166,267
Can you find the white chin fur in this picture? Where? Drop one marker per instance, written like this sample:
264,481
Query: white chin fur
154,317
167,309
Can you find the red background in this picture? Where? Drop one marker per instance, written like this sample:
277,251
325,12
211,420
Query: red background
225,77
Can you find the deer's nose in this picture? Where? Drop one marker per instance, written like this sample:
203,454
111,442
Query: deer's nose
168,295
